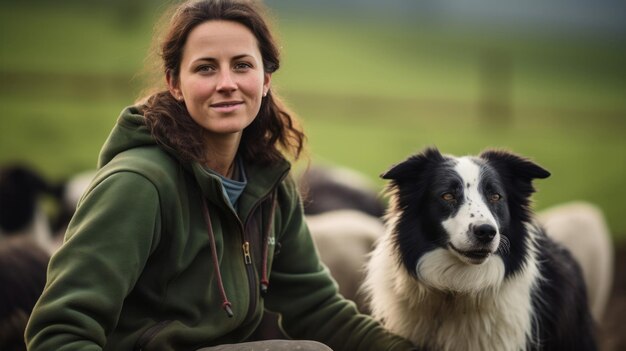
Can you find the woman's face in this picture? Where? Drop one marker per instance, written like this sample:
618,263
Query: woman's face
221,79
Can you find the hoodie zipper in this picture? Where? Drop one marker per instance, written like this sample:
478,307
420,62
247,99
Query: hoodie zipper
247,260
247,255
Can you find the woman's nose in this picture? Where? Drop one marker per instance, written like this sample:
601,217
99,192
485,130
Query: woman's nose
225,82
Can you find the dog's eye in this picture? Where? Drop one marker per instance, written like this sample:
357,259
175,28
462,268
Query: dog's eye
448,197
495,197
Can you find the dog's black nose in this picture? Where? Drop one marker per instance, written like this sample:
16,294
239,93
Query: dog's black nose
484,233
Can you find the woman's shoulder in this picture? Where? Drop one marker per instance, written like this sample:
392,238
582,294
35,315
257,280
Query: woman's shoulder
288,197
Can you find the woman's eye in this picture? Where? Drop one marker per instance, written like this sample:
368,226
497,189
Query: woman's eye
241,66
495,197
204,68
448,197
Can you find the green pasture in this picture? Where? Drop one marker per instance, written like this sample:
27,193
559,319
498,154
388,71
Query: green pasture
368,94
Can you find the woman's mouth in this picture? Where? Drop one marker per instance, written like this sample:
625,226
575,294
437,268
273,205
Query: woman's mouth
226,106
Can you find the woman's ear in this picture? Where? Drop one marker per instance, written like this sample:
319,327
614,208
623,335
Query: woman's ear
173,85
267,78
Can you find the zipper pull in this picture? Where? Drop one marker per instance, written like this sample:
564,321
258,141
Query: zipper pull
246,253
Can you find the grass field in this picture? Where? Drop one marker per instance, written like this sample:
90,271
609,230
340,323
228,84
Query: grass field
368,95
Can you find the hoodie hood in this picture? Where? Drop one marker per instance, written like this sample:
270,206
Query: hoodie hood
129,132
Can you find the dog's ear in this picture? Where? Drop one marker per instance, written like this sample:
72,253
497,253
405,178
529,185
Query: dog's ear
412,167
515,165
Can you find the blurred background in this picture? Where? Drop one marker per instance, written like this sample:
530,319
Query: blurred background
373,82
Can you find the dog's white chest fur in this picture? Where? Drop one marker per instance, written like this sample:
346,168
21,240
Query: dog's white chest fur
498,317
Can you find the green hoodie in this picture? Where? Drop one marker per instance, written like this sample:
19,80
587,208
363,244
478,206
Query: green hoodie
136,270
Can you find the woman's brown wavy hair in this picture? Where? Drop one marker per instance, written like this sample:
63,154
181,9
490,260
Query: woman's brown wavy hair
274,128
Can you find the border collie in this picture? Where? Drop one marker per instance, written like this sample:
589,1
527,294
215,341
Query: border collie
463,266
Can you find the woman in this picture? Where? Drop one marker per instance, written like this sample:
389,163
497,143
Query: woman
192,225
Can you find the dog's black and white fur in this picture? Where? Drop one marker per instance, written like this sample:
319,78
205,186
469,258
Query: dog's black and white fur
463,267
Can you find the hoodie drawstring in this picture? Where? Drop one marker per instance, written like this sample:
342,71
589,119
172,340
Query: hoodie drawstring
226,305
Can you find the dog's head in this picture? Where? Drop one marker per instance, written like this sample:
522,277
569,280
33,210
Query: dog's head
471,207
